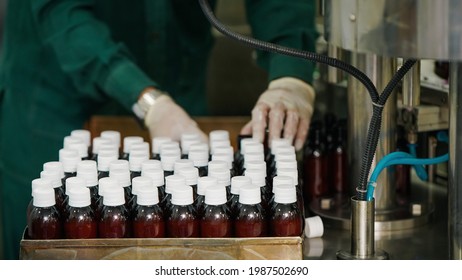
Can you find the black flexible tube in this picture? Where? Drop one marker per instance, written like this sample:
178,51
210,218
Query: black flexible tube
379,101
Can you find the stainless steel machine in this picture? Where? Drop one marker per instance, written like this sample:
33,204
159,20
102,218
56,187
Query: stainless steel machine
378,34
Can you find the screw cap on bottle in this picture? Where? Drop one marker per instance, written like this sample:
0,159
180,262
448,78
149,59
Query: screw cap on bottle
285,194
257,176
141,182
199,157
254,148
147,196
191,175
156,175
114,196
79,197
168,161
75,182
275,143
53,176
136,160
223,176
70,159
245,142
218,135
237,182
157,143
87,170
107,183
97,142
174,181
259,165
225,158
105,158
283,180
151,164
249,195
215,195
204,182
248,157
216,164
182,163
83,135
43,197
129,140
140,147
54,166
291,164
218,144
290,172
122,176
182,195
40,183
112,135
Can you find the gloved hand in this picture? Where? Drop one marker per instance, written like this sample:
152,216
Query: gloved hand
285,108
166,118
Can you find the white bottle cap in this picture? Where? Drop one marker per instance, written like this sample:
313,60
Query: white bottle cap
254,148
237,182
156,175
54,166
81,147
253,157
109,146
105,158
112,135
83,135
87,170
168,161
70,159
182,163
186,145
151,164
314,227
119,164
249,195
40,183
43,197
114,197
293,173
136,160
141,146
215,195
170,147
284,149
229,150
74,182
200,146
290,164
260,165
222,174
223,157
257,176
141,182
97,142
157,143
53,176
182,195
79,197
204,182
68,140
282,180
122,176
217,144
245,142
199,157
189,136
285,194
129,140
217,164
278,143
107,183
191,175
218,135
147,196
174,181
285,156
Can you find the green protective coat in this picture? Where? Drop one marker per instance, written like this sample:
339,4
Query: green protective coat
66,60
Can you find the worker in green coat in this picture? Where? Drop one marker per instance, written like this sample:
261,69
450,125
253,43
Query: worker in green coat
64,61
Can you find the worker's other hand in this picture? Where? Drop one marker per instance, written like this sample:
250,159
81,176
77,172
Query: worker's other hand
285,109
168,119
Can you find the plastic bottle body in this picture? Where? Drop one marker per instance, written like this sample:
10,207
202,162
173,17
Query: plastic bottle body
44,223
80,223
250,221
183,222
114,222
216,221
286,220
148,222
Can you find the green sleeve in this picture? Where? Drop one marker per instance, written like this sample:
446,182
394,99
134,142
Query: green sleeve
288,23
96,65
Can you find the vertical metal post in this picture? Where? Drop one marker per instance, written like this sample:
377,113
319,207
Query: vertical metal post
455,162
380,71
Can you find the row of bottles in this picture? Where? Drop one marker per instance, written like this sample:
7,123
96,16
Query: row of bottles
187,189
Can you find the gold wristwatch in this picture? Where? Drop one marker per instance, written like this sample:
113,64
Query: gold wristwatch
147,98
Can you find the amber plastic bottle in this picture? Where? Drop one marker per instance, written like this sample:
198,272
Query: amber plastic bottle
216,221
338,161
287,218
202,184
148,217
251,218
315,165
182,220
80,223
114,221
236,183
44,221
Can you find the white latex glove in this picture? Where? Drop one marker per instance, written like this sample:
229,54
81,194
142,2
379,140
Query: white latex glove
166,118
285,108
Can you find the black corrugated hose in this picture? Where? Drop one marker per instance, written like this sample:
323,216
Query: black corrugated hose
378,101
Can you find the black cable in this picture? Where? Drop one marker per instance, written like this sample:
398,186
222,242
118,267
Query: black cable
378,101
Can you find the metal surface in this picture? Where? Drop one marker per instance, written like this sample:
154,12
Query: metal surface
455,161
411,87
405,28
380,71
362,228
